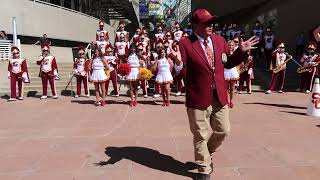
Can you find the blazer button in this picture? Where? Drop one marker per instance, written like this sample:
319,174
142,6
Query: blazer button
211,86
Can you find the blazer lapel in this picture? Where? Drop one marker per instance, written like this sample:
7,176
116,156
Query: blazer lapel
198,48
216,49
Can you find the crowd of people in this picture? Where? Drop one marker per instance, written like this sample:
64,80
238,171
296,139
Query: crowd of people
159,53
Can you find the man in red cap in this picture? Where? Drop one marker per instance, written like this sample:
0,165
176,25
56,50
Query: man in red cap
81,72
204,55
48,72
17,71
101,30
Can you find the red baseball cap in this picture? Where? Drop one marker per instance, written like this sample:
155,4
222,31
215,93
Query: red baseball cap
202,16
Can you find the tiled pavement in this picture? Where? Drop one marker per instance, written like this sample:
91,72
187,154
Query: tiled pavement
70,139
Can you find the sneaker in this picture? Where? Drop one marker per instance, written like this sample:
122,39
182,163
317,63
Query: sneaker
280,91
87,95
307,91
115,95
249,92
145,96
240,92
97,103
43,97
268,92
178,93
76,96
156,95
12,99
55,97
20,98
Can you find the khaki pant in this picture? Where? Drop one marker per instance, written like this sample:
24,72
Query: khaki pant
205,143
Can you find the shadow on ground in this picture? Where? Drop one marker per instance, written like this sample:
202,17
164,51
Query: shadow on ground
277,105
149,158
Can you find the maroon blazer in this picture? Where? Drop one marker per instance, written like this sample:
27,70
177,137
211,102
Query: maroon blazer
200,76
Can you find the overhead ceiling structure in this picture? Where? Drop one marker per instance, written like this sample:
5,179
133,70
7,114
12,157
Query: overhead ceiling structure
115,9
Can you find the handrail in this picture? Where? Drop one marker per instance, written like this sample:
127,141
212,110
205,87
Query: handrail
64,8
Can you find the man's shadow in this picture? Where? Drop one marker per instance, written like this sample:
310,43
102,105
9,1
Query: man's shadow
149,158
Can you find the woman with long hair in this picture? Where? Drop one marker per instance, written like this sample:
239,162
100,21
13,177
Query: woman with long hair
133,76
231,75
164,76
98,76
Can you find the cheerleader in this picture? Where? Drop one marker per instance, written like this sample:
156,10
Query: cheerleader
112,61
309,60
80,71
98,76
247,75
164,78
231,75
133,76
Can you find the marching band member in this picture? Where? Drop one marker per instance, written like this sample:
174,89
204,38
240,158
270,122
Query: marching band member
143,61
133,76
80,69
247,75
102,43
122,49
258,32
101,30
177,32
98,76
17,71
164,77
112,61
122,31
231,75
269,44
135,37
48,72
145,41
279,58
309,60
159,36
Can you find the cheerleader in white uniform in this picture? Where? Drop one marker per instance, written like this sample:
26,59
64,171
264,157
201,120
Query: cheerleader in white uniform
133,76
98,76
231,75
164,76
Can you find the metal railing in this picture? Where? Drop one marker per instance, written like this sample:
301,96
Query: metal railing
64,8
5,47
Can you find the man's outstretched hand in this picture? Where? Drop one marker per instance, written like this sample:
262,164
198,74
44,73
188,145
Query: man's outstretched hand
249,44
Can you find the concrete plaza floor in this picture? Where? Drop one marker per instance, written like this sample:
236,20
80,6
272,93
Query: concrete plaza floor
71,139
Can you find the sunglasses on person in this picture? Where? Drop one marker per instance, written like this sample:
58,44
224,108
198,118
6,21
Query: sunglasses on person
281,47
14,53
311,49
139,49
81,54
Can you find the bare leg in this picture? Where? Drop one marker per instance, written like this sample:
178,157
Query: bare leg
103,95
96,87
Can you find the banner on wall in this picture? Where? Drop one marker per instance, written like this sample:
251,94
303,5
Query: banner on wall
143,9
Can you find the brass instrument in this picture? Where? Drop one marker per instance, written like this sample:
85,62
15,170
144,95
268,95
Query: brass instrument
282,66
304,69
243,68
